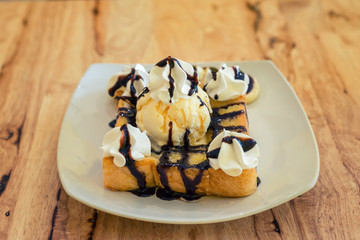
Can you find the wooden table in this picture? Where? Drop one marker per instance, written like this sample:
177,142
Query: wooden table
45,47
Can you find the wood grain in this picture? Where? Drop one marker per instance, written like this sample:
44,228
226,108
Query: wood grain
45,47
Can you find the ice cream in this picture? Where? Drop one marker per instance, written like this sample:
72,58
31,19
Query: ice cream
170,124
175,111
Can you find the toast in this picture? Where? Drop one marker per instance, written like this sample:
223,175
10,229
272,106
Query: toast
181,171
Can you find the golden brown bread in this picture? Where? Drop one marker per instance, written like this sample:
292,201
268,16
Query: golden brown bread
121,179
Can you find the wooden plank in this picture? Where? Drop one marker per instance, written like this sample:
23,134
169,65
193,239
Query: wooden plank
46,47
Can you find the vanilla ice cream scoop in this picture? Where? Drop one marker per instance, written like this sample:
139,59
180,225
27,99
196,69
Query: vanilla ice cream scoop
183,122
174,111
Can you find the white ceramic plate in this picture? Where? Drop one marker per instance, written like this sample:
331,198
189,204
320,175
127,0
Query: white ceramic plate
288,167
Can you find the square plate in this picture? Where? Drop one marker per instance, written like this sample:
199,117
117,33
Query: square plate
288,167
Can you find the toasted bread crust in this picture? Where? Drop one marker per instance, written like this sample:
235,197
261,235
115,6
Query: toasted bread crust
213,182
120,178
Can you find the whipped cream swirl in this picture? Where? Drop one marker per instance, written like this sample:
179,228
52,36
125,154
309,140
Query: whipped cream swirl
232,152
126,141
172,79
228,83
131,81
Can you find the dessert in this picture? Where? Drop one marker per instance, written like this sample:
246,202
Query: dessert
174,138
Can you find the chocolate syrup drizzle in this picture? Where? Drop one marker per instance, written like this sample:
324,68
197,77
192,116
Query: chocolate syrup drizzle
238,74
194,81
250,85
125,150
216,118
202,103
213,72
129,113
182,164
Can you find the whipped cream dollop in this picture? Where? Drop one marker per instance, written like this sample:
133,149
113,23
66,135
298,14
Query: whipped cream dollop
232,152
124,142
172,79
228,83
132,80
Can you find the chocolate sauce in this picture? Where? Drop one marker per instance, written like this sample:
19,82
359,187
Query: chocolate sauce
167,194
238,74
201,101
112,123
170,141
132,87
163,62
230,105
229,115
204,87
144,192
194,81
258,181
186,139
246,144
125,150
143,92
213,72
217,118
130,100
236,128
129,114
190,184
250,85
171,81
214,153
